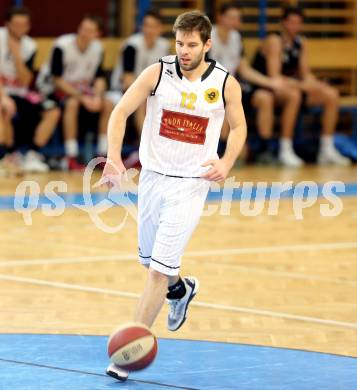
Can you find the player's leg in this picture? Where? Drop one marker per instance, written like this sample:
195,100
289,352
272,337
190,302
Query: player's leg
179,216
327,97
8,110
12,162
152,298
107,109
262,101
290,99
48,116
3,149
70,130
46,127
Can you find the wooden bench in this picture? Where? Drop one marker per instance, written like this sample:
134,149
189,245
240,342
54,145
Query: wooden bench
330,58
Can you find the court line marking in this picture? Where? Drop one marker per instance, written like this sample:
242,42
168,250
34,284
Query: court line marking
207,305
118,258
291,275
92,373
198,253
48,242
257,250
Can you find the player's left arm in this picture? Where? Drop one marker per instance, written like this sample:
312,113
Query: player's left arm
238,133
100,84
305,72
24,70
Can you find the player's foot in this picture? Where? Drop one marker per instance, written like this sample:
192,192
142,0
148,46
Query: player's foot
332,156
178,307
33,162
267,158
116,372
290,159
74,165
11,165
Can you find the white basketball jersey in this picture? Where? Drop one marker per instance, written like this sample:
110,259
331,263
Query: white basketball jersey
183,120
7,65
144,56
79,68
227,53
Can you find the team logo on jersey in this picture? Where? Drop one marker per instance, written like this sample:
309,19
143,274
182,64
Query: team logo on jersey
211,95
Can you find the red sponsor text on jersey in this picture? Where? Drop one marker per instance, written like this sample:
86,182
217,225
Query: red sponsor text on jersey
183,127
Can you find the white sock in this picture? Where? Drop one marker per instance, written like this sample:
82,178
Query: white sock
102,144
326,142
286,145
71,147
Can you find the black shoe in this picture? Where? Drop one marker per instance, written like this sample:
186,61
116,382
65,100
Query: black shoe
116,372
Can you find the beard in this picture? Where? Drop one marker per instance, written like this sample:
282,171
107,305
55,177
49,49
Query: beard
194,63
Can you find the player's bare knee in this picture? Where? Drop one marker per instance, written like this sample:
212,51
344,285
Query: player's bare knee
294,96
72,104
332,96
54,114
263,99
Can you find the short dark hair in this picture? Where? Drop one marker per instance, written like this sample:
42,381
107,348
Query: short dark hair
95,19
194,21
292,11
13,11
154,14
228,6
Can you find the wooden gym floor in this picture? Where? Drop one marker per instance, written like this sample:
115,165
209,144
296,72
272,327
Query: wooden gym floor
265,280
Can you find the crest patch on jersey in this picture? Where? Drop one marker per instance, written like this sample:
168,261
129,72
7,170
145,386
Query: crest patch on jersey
183,127
211,95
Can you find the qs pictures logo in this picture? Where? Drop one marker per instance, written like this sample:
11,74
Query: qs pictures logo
211,95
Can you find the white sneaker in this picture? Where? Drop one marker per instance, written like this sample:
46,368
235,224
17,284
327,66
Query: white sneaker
116,372
331,156
178,307
33,162
11,165
290,159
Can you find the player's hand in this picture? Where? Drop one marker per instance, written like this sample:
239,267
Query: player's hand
219,170
113,173
278,83
312,85
92,103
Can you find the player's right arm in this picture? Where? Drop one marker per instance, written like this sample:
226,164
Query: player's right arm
253,76
136,94
57,69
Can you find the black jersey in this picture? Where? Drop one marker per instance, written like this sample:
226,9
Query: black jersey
290,59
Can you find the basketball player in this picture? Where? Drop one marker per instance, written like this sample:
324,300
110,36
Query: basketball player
76,79
17,53
187,99
259,91
285,54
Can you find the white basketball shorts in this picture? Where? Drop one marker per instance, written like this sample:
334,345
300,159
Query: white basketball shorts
169,209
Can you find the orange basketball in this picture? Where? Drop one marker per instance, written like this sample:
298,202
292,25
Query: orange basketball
132,346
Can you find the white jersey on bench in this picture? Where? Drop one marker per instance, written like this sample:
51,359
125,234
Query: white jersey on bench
8,71
79,68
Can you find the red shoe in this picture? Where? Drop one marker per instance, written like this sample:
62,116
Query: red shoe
132,161
74,165
100,166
